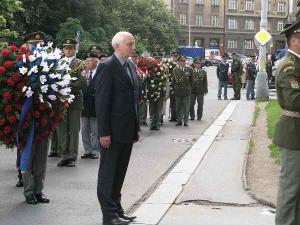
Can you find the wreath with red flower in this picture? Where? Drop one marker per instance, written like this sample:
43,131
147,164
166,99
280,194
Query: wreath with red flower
44,112
155,79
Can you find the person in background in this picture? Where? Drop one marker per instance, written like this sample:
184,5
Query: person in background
222,74
251,73
236,71
199,89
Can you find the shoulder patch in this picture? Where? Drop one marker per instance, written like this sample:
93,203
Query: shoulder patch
294,83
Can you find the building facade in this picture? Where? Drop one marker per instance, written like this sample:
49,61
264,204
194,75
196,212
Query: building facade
229,25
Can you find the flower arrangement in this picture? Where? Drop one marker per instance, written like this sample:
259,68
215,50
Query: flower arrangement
35,93
170,65
155,79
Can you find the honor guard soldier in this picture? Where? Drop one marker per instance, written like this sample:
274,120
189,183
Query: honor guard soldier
182,81
199,89
31,41
175,56
236,71
287,130
34,176
69,128
222,74
251,73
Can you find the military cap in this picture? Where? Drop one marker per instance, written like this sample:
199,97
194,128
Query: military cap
182,57
157,54
92,54
292,29
69,42
103,55
95,48
38,36
197,60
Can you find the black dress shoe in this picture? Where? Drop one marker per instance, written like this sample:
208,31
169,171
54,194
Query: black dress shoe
186,125
199,118
31,199
53,154
94,156
20,181
86,156
154,128
117,221
192,118
63,162
71,163
178,124
127,217
41,198
173,120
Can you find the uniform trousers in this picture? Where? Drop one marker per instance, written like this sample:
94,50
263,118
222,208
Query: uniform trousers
155,112
236,85
56,140
200,102
112,170
173,107
182,108
69,129
143,112
34,177
89,133
288,197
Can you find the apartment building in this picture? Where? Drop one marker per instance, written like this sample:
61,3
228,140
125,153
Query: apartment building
229,25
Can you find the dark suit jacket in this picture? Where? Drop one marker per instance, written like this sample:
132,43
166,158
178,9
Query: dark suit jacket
88,91
117,101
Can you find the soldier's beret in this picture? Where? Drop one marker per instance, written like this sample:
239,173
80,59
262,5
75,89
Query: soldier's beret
197,60
69,42
182,57
292,29
38,36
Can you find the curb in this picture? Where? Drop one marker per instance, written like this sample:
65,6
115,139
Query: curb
245,180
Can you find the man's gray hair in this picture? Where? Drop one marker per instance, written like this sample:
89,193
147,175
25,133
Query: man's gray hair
119,38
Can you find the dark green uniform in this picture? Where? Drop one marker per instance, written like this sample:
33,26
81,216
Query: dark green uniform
237,71
199,89
287,131
182,81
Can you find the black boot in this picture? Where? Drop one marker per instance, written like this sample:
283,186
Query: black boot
20,179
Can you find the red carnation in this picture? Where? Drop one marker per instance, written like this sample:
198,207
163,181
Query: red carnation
2,69
7,108
7,129
52,114
16,77
2,122
52,126
36,114
20,58
13,48
20,86
4,52
6,95
44,122
42,107
12,119
23,49
10,82
8,64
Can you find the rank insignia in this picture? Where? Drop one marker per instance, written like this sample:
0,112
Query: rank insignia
37,37
294,83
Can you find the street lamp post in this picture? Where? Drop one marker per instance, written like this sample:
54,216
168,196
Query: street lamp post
262,86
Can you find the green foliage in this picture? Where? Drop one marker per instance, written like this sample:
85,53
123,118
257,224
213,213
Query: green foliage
273,113
255,114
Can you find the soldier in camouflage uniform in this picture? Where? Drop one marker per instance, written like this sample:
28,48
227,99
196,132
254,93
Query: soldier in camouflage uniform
236,71
199,89
182,81
287,130
69,128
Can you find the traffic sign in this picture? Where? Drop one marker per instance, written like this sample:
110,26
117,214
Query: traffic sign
263,37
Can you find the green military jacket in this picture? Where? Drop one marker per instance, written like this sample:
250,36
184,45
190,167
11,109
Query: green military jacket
182,81
77,66
199,82
287,130
237,67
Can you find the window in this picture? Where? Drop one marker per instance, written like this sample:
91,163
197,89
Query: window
199,2
215,2
249,44
280,26
249,25
232,23
232,4
281,7
214,21
269,25
269,6
232,44
183,1
199,20
182,19
249,5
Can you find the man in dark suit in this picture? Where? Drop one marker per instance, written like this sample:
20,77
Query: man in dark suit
117,115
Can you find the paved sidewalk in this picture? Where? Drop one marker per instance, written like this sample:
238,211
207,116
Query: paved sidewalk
214,193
